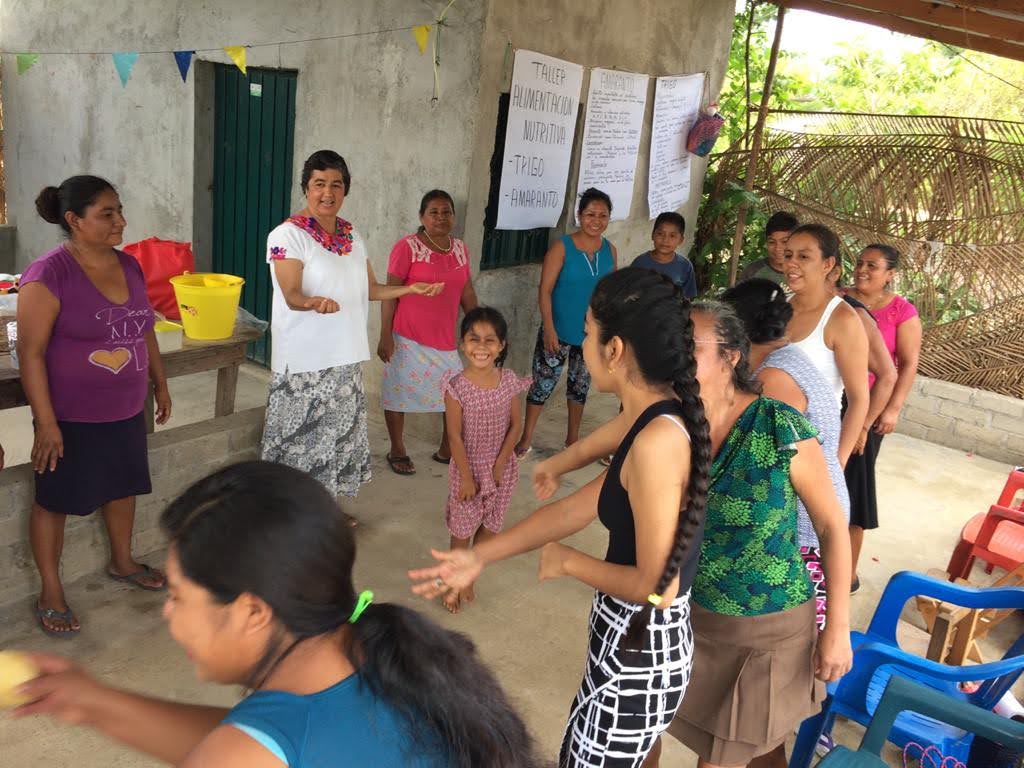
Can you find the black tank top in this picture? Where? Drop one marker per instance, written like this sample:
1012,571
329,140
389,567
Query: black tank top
615,512
858,305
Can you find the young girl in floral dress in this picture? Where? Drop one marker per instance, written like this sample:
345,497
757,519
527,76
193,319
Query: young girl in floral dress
481,411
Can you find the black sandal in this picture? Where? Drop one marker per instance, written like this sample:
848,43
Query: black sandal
398,462
440,459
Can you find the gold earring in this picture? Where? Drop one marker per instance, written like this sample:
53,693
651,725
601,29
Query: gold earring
611,370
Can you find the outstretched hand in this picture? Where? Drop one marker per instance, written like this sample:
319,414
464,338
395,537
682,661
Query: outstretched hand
457,569
322,305
545,482
62,690
427,289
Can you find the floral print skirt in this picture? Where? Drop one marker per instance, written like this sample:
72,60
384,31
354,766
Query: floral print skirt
316,422
412,378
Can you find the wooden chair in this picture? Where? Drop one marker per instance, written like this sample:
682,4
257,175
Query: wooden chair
955,631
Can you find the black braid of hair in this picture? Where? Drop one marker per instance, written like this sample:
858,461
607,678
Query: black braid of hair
691,516
649,313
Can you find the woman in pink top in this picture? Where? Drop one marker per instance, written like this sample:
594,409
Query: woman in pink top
901,330
417,335
88,353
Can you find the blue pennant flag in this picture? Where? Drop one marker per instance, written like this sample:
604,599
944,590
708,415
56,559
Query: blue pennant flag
184,59
124,63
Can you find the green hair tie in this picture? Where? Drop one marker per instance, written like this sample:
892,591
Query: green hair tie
365,598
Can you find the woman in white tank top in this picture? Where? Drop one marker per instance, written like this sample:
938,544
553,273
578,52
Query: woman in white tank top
825,328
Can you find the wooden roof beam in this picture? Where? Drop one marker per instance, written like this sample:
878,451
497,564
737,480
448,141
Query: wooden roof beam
1006,6
972,21
907,27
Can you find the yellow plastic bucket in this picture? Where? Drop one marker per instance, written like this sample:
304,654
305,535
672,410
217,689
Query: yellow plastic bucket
208,304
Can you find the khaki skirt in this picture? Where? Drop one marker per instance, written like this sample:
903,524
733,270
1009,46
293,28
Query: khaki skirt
745,699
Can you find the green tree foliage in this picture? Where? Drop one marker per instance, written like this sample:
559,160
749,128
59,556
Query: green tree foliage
863,75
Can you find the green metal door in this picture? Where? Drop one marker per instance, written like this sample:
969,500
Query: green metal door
254,128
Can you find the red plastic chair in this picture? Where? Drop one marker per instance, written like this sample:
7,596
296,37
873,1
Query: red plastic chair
997,537
1014,483
999,544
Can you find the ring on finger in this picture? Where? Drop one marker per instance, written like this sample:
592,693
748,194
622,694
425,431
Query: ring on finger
438,582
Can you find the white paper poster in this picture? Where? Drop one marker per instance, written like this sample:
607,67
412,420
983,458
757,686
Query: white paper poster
544,102
676,105
611,135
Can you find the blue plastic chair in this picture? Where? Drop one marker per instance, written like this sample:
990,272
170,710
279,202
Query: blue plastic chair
902,695
877,657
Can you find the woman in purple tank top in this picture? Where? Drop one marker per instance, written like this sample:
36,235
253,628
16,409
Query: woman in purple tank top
87,352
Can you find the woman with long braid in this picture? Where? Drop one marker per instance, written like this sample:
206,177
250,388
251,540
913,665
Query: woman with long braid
638,345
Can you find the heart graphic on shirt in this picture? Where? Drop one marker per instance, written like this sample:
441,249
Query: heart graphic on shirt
113,360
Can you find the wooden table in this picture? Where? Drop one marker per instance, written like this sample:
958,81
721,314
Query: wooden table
224,356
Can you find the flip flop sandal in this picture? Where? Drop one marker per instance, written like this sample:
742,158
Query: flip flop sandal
523,454
135,579
440,459
393,461
51,614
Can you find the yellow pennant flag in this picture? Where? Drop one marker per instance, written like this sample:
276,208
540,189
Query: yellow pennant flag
422,34
237,54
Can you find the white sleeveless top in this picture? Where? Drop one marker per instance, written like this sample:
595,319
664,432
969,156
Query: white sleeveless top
824,359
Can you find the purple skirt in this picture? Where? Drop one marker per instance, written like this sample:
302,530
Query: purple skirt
102,462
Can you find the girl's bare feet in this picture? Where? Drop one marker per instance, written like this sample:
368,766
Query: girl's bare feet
452,601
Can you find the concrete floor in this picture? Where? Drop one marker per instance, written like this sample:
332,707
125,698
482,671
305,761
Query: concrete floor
532,635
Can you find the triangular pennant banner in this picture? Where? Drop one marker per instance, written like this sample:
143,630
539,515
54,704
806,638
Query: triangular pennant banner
25,62
422,34
124,63
237,54
184,59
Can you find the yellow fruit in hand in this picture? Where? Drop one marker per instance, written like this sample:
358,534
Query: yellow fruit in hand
15,669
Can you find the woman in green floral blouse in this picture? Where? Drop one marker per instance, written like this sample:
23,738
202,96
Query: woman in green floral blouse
759,663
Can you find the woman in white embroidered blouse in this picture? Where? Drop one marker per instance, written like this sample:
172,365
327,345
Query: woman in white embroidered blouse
323,283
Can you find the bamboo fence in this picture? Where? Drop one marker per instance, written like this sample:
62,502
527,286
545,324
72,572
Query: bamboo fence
947,192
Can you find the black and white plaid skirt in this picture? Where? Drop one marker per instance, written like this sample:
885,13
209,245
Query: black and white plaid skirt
628,696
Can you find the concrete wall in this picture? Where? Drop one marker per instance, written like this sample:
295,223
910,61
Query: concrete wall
367,97
971,420
178,457
655,37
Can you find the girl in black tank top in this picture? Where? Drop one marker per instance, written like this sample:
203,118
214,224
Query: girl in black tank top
638,345
615,511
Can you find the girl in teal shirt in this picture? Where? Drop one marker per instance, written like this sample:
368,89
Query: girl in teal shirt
261,595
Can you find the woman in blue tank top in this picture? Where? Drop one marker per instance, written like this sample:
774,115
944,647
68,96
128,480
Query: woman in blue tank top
572,267
261,595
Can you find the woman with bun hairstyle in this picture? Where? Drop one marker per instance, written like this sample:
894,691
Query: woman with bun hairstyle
87,353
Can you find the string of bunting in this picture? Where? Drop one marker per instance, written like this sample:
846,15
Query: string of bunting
124,61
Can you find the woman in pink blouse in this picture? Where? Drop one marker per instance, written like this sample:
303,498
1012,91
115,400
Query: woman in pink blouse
900,327
417,337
